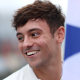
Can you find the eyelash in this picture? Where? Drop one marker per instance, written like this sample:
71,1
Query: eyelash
20,38
35,34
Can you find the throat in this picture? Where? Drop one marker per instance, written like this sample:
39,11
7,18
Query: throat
48,73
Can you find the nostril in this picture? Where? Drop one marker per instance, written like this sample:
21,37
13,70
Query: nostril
28,47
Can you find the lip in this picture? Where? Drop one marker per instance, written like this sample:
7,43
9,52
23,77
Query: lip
34,51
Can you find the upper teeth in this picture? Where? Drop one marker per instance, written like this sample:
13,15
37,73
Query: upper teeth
31,53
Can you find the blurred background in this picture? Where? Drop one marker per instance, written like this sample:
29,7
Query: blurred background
10,57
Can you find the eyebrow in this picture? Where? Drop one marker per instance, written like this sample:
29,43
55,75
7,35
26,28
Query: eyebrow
18,33
34,29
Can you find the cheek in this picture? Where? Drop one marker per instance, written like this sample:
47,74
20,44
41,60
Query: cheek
20,47
44,44
46,52
47,46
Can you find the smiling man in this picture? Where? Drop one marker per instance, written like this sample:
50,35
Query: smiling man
40,32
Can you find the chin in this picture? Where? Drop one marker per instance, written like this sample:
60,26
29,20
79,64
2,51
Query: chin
35,65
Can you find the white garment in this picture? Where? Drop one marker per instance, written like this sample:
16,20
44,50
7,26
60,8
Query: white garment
26,73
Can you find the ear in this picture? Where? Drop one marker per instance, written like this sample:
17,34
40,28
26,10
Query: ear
60,33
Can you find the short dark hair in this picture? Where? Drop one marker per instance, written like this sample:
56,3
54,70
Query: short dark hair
43,10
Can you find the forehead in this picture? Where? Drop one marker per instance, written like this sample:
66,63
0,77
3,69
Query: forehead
31,24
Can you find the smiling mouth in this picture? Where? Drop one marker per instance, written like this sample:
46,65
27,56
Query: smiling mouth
31,53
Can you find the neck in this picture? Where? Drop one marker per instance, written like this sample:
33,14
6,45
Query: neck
49,72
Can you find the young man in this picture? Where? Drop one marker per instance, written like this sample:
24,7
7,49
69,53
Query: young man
40,33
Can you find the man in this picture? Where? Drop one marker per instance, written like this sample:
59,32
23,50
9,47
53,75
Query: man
40,33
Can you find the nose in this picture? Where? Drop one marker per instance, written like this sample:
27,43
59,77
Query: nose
27,44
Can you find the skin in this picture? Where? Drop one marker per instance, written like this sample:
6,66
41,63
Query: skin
36,36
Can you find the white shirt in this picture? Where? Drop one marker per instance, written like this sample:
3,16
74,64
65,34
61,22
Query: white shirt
26,73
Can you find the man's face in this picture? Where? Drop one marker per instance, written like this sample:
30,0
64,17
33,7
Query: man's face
36,43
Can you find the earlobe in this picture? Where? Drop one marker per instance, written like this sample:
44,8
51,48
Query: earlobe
60,34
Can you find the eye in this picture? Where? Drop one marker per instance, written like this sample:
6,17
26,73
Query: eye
35,34
20,38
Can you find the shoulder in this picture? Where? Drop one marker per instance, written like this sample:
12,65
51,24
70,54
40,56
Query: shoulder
26,73
18,75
